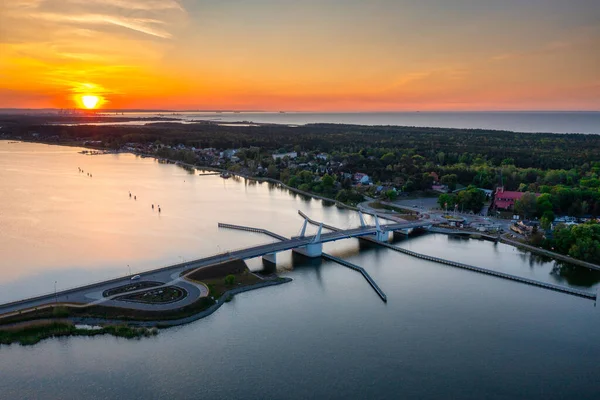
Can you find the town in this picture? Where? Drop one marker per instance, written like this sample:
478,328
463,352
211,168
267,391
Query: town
488,181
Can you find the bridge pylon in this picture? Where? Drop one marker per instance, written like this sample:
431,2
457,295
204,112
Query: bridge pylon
303,231
380,235
315,247
362,219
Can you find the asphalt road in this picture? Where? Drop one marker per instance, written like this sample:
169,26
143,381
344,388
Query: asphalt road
92,294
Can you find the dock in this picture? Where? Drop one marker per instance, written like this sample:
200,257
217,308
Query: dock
532,282
364,273
515,278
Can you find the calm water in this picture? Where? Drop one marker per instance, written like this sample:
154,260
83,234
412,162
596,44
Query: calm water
555,122
444,333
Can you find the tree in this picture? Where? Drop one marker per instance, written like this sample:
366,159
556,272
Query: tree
547,219
409,186
446,201
230,280
388,158
273,172
471,199
342,196
293,181
526,206
543,204
327,181
426,181
449,180
391,195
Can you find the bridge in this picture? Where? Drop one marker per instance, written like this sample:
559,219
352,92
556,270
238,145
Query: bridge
311,246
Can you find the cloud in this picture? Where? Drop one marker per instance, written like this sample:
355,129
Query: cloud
151,17
143,25
150,5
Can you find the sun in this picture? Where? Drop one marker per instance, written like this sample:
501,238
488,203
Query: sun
90,101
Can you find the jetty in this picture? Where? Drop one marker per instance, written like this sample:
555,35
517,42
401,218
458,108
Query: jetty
532,282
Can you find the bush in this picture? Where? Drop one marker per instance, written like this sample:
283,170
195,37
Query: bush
60,312
230,280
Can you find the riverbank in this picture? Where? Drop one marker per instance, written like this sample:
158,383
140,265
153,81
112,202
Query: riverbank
223,280
30,333
548,253
208,168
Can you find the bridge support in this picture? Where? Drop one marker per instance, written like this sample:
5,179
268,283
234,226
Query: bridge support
380,235
362,219
270,258
403,232
313,249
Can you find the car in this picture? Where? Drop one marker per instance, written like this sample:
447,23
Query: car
135,277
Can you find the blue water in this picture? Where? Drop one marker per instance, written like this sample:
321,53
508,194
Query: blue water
553,122
445,333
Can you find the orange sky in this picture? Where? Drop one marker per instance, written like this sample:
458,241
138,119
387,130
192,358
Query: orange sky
326,55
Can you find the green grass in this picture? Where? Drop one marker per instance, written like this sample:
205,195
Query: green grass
34,332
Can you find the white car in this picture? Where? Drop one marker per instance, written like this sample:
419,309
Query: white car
135,277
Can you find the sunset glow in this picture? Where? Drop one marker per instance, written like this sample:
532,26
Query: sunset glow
312,55
89,101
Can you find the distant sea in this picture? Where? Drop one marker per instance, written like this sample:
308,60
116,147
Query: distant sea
553,122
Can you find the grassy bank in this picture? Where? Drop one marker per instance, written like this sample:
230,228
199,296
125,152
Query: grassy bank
219,278
33,332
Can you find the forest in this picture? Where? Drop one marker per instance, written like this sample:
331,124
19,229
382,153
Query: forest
566,167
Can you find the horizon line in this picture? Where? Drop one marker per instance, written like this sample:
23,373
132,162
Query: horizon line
107,110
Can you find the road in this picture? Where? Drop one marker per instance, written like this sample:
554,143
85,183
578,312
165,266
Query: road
92,294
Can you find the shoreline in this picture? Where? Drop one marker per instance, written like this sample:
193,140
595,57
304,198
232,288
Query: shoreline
532,249
120,327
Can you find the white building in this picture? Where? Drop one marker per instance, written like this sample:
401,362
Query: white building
291,155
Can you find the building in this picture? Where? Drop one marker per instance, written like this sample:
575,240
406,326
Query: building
291,155
505,200
361,178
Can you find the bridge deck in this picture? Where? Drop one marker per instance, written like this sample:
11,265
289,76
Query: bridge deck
326,256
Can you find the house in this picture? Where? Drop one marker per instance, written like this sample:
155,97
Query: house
435,177
291,155
361,178
227,153
505,200
322,156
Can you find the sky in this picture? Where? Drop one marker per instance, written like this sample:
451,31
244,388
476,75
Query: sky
301,55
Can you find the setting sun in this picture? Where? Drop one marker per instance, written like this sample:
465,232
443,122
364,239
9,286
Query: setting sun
90,101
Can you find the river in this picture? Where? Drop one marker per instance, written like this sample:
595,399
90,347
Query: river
444,333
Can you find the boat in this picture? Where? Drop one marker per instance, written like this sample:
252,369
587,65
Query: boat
225,175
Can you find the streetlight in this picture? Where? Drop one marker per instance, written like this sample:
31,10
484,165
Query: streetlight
55,295
128,267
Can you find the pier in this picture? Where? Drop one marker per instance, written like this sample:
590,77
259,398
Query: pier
532,282
364,273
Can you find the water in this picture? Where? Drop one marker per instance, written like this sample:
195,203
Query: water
555,122
444,333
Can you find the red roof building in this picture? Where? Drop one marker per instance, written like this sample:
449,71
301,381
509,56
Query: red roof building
505,199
